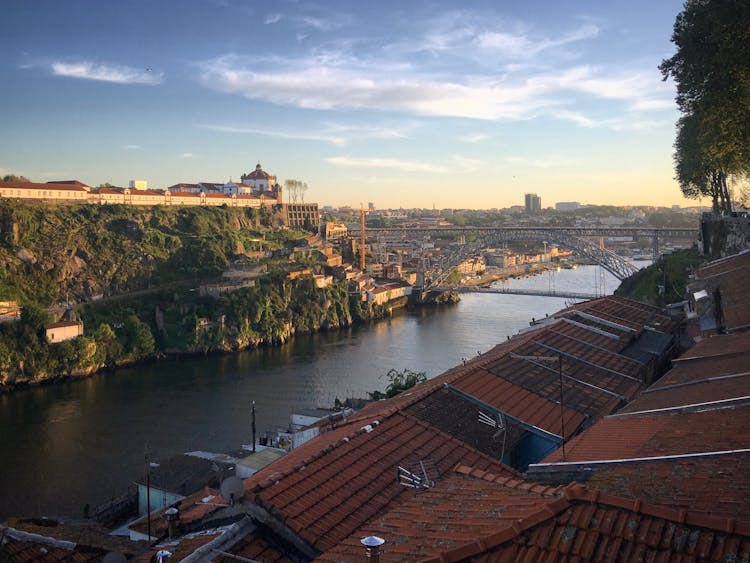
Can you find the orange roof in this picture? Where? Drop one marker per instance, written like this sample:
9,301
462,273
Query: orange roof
467,504
329,487
62,324
587,525
48,186
473,515
728,277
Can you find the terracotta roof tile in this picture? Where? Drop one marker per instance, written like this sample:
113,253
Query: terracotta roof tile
609,529
652,435
325,494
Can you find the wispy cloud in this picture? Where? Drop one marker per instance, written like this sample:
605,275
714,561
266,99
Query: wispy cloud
522,45
272,18
106,73
624,123
386,163
186,155
132,147
322,85
337,134
278,134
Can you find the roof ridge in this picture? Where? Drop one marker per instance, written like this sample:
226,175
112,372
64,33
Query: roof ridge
509,482
578,493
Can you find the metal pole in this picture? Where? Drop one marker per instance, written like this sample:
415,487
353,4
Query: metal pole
148,496
253,426
562,404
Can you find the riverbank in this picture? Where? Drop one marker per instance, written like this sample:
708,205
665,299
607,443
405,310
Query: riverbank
494,274
332,312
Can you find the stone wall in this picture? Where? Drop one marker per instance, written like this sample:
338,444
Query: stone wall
724,235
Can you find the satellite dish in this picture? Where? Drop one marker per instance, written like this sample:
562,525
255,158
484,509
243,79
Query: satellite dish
232,489
114,557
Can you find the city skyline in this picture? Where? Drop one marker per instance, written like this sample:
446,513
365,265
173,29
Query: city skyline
430,105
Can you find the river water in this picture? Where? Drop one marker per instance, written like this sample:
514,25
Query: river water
67,445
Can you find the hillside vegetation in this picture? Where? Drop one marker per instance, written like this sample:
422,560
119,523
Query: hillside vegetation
134,273
663,282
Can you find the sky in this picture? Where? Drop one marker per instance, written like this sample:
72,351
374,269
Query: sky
436,103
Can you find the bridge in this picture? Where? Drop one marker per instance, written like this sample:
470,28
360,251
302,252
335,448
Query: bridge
515,291
573,238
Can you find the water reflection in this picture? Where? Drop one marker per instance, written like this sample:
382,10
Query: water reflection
83,442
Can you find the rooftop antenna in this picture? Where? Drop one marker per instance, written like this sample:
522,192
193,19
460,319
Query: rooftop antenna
417,476
497,422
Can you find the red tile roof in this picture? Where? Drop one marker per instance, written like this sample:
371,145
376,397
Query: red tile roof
477,516
325,492
48,186
467,504
670,433
625,312
587,525
717,485
517,402
252,547
715,369
728,278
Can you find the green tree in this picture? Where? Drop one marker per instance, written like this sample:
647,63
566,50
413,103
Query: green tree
14,178
108,347
138,340
399,381
711,69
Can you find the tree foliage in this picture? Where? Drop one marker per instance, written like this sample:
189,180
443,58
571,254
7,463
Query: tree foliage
399,381
711,69
296,190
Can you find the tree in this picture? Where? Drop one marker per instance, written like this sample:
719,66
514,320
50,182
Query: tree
292,189
711,69
400,381
108,347
14,178
295,190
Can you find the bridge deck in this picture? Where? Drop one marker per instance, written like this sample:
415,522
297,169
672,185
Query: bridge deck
514,291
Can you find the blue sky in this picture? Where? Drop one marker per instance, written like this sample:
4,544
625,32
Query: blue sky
404,104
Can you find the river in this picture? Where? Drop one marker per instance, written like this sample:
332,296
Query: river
82,442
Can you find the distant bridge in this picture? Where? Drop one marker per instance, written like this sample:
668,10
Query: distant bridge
569,237
516,291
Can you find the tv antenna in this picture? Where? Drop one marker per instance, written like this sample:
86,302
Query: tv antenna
497,422
418,475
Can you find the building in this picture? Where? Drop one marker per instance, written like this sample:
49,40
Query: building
259,180
48,193
567,206
64,330
533,203
335,230
301,215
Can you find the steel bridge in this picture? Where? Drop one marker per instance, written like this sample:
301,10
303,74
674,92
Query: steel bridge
576,239
518,291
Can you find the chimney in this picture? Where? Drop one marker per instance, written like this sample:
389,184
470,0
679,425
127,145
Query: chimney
372,548
173,519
